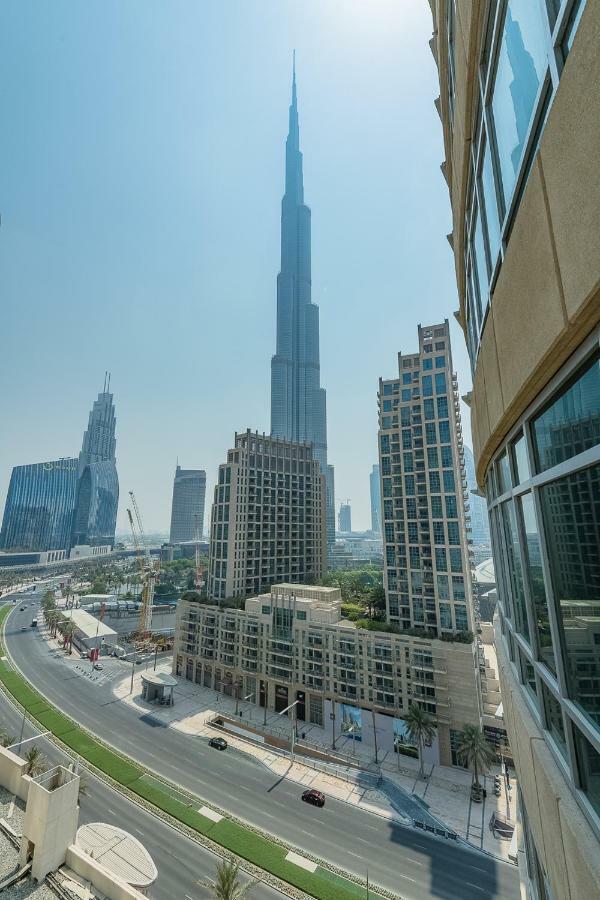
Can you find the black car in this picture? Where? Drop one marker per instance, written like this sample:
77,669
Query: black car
316,798
218,743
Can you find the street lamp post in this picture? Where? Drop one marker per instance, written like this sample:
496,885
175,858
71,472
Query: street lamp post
292,706
266,702
132,671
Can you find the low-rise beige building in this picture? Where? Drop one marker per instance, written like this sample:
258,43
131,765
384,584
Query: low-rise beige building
292,644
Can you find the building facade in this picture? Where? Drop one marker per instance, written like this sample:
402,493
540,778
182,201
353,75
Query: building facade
187,509
375,489
520,111
97,500
298,402
38,514
480,526
345,518
292,644
427,561
268,520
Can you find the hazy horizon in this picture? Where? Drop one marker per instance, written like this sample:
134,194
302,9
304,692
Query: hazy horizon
141,176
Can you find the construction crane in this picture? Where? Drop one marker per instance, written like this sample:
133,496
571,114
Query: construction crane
199,566
148,569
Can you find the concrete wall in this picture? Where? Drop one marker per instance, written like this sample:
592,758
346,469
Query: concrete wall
51,819
111,886
12,774
566,845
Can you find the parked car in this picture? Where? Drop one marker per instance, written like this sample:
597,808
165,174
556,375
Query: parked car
22,608
316,798
218,743
24,628
98,667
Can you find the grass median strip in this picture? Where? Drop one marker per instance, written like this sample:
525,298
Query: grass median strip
239,839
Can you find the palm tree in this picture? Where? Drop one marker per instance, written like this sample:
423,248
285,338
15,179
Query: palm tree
474,751
7,740
227,885
68,630
420,728
36,762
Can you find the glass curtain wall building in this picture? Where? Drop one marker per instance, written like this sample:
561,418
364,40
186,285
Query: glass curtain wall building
39,506
187,510
298,402
95,516
520,109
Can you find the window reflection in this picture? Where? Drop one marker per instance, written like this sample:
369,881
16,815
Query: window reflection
491,205
588,760
514,575
522,63
520,462
571,424
480,266
571,511
536,582
554,719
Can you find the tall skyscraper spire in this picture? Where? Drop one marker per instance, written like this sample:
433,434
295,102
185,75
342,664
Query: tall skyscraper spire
298,402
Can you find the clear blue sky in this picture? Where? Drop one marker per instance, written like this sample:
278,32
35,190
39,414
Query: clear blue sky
141,173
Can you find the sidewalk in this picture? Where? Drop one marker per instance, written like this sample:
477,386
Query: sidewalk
445,794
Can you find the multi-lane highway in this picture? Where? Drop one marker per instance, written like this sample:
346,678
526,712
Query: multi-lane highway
181,862
413,864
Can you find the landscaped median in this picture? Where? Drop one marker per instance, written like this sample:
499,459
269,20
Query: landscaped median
239,839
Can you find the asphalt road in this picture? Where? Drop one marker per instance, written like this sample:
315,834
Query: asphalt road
180,861
415,865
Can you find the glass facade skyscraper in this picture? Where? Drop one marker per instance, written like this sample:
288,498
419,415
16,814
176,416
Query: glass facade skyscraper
187,510
39,506
298,402
95,516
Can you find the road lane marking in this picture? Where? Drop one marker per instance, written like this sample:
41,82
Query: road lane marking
112,812
415,861
476,886
140,832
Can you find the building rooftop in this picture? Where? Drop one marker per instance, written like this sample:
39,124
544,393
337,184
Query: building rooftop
119,852
89,625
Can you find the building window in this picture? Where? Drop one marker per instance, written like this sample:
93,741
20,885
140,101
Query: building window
266,610
522,61
301,614
460,617
571,513
514,567
554,719
570,424
588,762
440,383
537,588
520,461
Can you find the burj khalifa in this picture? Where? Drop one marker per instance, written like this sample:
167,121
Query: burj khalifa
298,402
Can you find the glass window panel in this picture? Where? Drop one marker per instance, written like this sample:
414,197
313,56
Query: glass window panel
570,424
491,205
537,587
572,26
480,265
571,513
522,62
528,676
520,461
588,760
514,567
554,719
503,470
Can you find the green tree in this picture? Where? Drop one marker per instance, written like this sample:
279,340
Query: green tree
474,751
7,740
420,727
68,630
227,885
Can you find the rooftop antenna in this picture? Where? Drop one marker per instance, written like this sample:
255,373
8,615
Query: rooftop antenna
108,384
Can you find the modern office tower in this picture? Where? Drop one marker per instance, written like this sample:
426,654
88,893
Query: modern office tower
39,506
345,518
427,565
95,516
480,527
187,510
298,402
375,488
292,643
520,108
268,520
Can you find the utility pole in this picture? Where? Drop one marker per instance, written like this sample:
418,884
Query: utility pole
333,747
266,701
375,735
132,671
